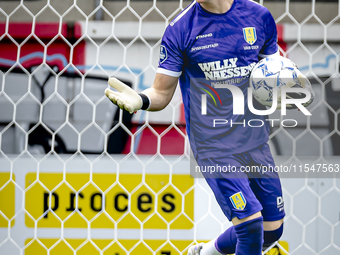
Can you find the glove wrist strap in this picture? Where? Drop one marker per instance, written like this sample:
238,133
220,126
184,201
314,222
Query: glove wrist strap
146,102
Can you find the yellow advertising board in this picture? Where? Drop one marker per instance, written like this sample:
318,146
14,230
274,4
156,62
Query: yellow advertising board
113,208
7,199
109,247
109,201
120,247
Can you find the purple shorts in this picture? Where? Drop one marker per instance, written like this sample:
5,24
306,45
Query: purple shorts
243,184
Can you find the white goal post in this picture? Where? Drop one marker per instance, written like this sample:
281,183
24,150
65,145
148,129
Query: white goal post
78,176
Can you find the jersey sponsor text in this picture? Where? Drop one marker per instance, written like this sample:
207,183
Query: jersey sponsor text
227,68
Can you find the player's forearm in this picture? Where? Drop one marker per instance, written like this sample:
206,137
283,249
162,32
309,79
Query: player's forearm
161,92
158,99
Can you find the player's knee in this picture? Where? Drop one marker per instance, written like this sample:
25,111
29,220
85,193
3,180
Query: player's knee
271,236
250,235
237,221
272,225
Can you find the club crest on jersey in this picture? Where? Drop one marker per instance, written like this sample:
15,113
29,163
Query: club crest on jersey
163,54
249,34
238,201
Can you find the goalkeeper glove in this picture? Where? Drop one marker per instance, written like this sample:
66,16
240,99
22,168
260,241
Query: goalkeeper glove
303,83
306,85
125,97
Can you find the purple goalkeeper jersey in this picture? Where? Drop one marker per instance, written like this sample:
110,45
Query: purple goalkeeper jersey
207,51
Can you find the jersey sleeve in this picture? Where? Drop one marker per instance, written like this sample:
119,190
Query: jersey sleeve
170,55
270,46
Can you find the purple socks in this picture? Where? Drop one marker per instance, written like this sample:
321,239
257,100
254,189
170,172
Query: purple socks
251,235
243,239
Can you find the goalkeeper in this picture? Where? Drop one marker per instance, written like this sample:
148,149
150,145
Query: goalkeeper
215,42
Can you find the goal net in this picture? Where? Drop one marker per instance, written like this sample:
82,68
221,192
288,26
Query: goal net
79,176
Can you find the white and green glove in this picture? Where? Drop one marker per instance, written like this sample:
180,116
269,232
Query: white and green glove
304,84
125,97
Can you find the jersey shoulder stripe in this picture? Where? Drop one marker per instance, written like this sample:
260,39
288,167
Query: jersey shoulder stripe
182,13
169,72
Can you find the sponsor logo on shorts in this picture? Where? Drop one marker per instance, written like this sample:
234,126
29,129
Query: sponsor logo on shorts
238,201
163,54
280,203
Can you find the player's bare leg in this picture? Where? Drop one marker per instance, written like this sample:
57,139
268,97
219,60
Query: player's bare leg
272,225
237,221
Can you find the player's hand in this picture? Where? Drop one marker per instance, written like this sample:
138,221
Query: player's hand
303,83
306,85
125,97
